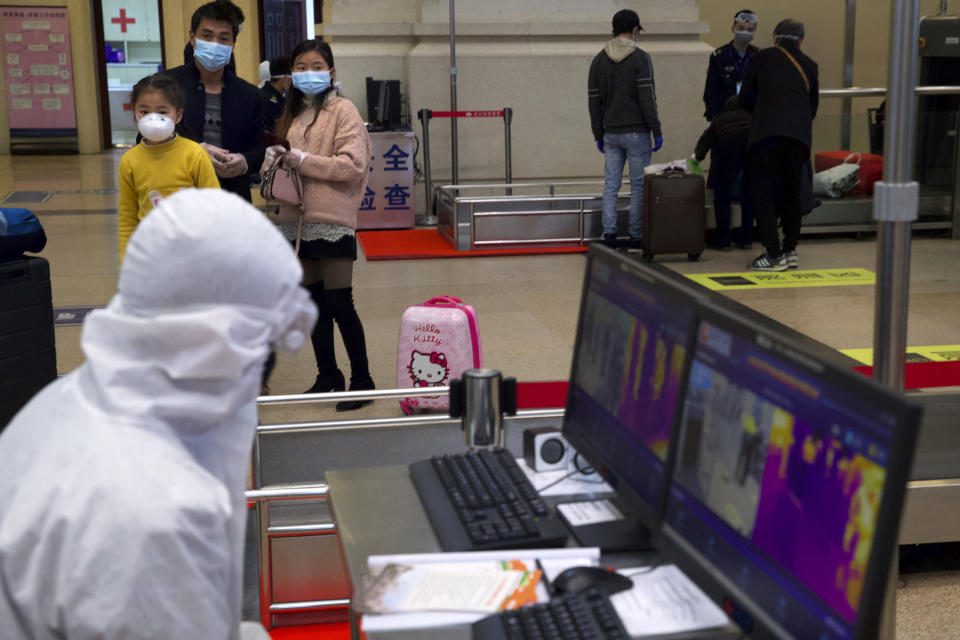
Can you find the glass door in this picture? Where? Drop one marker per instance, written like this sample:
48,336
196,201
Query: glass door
285,25
133,49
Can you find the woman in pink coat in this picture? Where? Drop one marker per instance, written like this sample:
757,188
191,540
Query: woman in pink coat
330,146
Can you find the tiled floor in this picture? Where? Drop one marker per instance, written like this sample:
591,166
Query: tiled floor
527,308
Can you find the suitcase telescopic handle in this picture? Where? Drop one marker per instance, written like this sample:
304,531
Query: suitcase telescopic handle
442,300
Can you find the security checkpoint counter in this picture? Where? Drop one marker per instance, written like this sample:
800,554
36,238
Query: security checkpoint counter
378,511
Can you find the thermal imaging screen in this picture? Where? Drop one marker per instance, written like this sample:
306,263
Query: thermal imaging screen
628,368
778,482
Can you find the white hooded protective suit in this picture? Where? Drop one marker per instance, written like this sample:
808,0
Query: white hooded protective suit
122,512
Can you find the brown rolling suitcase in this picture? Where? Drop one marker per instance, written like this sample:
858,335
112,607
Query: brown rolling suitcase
673,214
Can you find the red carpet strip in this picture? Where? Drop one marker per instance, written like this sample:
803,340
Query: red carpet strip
925,375
416,244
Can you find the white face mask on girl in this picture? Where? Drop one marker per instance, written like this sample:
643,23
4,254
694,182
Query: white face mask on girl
155,127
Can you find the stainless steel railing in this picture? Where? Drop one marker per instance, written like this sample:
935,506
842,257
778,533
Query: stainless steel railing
545,194
264,496
862,92
337,396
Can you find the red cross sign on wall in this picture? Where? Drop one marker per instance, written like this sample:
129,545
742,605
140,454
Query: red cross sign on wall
123,20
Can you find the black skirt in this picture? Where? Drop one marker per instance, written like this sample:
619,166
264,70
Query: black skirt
345,247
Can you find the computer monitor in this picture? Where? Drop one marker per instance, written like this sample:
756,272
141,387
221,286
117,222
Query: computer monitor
635,332
788,485
384,104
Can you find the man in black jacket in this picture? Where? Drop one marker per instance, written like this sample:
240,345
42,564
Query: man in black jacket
726,140
728,64
222,112
623,115
781,89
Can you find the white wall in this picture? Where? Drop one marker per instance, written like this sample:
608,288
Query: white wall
532,56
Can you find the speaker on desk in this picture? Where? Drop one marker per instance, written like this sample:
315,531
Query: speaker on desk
544,449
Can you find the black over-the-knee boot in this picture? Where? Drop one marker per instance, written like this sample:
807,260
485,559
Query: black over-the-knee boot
341,308
329,377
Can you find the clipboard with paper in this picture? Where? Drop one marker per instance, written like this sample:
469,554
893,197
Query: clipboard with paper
486,570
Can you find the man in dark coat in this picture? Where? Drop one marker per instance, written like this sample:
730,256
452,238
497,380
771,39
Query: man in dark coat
726,140
728,64
781,89
222,112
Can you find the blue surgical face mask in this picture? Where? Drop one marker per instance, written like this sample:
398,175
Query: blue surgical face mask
311,82
212,56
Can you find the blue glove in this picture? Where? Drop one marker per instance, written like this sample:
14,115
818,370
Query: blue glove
657,143
600,146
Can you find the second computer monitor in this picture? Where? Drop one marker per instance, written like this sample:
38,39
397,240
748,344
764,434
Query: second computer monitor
630,357
788,484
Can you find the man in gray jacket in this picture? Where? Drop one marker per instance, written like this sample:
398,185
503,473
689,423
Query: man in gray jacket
623,116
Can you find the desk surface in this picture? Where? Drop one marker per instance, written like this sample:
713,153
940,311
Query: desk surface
378,511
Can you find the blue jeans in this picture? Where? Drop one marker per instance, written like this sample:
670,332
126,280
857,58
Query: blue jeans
617,148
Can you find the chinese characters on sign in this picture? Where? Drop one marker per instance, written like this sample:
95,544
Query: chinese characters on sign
388,201
37,68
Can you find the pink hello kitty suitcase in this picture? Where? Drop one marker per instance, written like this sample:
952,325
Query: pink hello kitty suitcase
438,341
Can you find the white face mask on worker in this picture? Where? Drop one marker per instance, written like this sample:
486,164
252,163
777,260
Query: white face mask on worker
156,127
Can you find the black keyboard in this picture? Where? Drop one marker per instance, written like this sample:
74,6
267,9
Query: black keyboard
586,614
480,501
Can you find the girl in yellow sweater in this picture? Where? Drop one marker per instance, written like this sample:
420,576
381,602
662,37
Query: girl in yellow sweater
163,162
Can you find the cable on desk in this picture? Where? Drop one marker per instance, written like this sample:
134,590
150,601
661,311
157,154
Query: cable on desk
556,482
640,572
589,470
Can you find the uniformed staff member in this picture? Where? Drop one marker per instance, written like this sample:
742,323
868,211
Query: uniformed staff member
728,64
273,91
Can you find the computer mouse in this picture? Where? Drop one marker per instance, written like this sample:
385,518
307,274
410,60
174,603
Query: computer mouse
577,579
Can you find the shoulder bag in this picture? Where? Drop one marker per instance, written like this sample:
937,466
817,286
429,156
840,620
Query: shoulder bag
283,184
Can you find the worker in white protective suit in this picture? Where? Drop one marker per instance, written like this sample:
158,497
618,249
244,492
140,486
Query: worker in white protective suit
122,510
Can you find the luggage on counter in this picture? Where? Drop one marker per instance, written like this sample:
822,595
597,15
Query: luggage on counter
438,341
28,359
871,167
673,214
838,180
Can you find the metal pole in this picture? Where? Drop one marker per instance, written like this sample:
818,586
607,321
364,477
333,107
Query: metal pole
850,29
895,208
428,218
955,200
454,156
508,149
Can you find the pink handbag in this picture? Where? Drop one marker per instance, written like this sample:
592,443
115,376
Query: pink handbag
283,184
439,340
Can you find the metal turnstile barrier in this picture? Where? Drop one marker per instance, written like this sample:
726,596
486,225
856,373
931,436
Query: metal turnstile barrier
548,215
